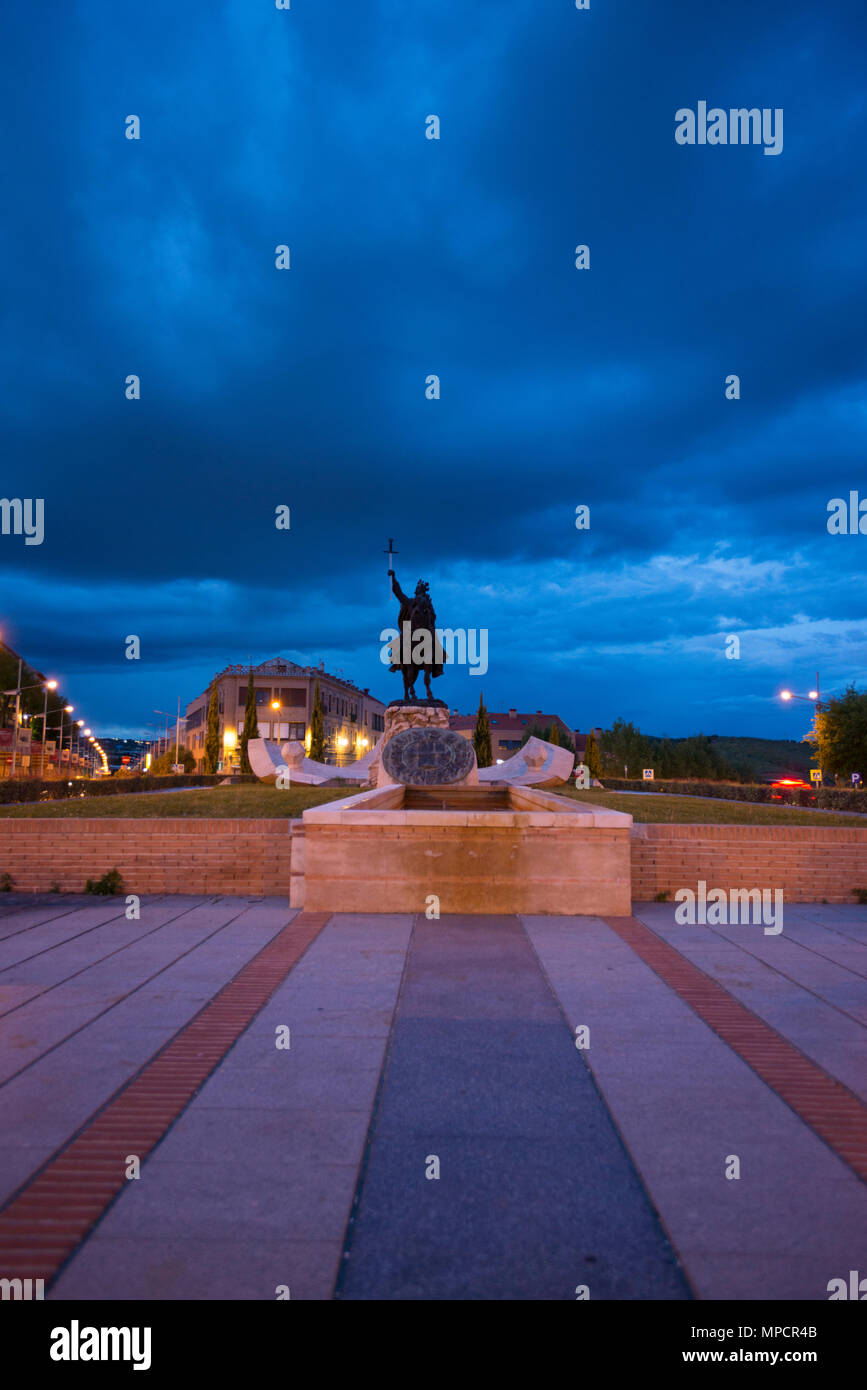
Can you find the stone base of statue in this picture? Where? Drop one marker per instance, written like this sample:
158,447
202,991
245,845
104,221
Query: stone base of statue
402,715
418,703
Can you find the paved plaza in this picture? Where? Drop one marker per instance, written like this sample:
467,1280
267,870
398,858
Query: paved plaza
427,1127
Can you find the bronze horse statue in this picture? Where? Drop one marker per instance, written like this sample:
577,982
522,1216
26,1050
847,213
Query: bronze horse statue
417,627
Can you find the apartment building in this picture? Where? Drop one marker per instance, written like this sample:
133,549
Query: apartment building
353,718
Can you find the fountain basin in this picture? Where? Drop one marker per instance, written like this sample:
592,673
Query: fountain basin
495,848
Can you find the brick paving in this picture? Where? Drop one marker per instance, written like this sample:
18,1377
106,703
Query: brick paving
825,1104
306,1168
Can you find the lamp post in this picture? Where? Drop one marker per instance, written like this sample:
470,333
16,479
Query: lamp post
69,710
49,685
811,698
275,729
17,711
178,734
167,716
18,692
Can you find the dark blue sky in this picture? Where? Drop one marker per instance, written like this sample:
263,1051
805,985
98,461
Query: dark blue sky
456,257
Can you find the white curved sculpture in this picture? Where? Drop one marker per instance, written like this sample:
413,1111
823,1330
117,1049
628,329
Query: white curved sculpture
268,761
537,764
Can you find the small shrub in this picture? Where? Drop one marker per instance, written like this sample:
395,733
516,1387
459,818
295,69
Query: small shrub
6,882
661,897
55,887
110,883
860,894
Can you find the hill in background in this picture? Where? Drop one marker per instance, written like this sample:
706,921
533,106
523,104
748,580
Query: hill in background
767,758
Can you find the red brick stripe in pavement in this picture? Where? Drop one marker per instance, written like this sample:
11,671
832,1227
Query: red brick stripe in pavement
41,1226
831,1110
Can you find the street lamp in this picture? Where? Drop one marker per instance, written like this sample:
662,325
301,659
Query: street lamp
49,685
812,697
73,724
168,717
275,728
67,709
18,692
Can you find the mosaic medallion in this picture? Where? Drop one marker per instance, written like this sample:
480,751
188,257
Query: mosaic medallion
428,757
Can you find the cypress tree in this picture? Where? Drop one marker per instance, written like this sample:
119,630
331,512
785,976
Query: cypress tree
482,737
251,724
212,737
554,736
317,728
591,755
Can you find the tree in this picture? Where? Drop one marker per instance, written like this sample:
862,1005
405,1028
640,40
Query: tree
251,723
163,763
317,728
554,736
482,737
591,756
625,746
535,731
212,737
841,734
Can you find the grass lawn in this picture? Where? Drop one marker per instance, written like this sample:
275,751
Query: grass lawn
702,810
212,802
260,801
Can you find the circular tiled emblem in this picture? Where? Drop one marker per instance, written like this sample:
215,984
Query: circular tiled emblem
428,757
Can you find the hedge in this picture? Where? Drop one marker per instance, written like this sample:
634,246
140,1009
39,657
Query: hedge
728,791
32,789
842,799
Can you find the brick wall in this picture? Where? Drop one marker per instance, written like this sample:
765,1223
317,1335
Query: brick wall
154,856
253,856
808,862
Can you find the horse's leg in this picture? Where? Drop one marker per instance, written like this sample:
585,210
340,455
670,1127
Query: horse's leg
427,682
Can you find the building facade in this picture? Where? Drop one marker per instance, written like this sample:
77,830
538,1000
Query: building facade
353,718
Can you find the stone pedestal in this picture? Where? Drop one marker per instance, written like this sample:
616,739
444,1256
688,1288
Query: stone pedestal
399,717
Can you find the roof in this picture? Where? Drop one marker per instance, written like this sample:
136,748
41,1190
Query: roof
281,666
509,724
